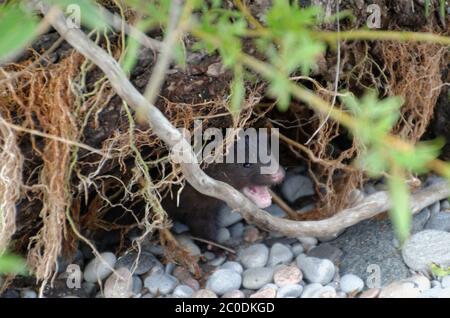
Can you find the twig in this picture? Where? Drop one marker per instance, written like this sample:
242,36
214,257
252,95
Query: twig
214,244
283,205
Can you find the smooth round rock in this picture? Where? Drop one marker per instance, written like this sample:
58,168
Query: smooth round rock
290,291
227,217
234,294
445,205
100,267
237,230
427,247
179,228
400,289
161,283
316,290
183,291
255,278
297,249
223,235
308,242
137,284
204,293
138,264
188,244
287,275
119,284
28,293
296,186
279,254
251,234
327,251
370,293
435,208
419,281
316,270
218,260
276,211
436,292
351,284
255,255
445,283
234,266
265,292
439,221
223,281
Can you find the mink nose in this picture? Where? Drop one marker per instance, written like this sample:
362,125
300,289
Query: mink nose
278,176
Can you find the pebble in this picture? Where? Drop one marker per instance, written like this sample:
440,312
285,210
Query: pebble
89,288
425,248
439,221
234,294
308,242
188,244
209,256
290,291
370,293
97,270
223,235
28,293
137,284
161,283
351,284
223,281
265,292
435,283
287,275
327,251
400,289
436,292
435,208
251,234
234,266
296,186
419,281
445,283
316,290
183,291
255,278
218,261
445,205
119,284
255,255
204,293
227,217
179,228
169,268
280,254
237,230
297,249
276,211
316,270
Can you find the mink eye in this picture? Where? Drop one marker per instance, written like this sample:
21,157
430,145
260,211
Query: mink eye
247,165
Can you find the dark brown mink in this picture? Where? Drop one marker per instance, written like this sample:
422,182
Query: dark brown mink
200,212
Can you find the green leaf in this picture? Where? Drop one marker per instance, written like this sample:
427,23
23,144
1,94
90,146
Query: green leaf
237,89
17,30
12,264
87,10
131,55
279,88
400,212
438,271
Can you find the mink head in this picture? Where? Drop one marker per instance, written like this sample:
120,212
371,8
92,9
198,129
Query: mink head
252,171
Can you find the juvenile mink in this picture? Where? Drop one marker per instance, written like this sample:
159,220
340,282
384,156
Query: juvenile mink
200,212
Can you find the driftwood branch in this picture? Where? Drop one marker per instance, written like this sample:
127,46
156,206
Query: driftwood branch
369,207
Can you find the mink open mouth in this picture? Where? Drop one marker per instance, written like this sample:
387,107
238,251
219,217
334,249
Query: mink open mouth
259,195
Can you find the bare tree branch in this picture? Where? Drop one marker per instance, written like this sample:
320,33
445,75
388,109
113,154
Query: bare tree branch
369,207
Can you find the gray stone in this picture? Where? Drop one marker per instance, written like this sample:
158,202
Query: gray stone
234,294
255,255
223,281
280,254
137,284
119,284
436,292
297,249
435,208
445,205
290,291
218,260
308,242
234,266
351,284
316,270
89,288
255,278
367,243
204,293
276,211
318,291
296,186
28,293
187,243
138,264
237,230
227,217
445,283
310,290
327,251
400,289
209,256
223,235
439,221
100,267
183,291
179,228
420,220
435,283
427,247
160,283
